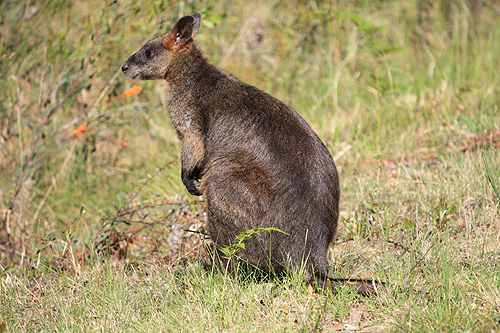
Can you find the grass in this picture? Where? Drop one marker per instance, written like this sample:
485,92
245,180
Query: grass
405,94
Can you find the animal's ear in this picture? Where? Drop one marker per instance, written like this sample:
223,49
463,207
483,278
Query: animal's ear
185,29
197,22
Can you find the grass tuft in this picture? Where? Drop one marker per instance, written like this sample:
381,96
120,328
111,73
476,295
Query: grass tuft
97,231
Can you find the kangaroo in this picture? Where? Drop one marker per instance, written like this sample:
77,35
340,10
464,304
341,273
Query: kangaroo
257,163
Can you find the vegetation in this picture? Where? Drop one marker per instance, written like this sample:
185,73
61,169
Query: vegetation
97,232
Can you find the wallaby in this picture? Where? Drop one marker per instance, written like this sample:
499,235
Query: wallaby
255,160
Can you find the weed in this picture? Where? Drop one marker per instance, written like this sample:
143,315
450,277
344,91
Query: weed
98,233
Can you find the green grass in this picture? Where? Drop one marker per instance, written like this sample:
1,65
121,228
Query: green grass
405,94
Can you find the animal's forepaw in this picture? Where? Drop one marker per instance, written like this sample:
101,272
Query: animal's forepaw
193,186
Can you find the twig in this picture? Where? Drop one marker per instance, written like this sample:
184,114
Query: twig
53,184
416,265
170,203
142,186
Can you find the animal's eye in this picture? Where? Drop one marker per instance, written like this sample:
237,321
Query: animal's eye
149,54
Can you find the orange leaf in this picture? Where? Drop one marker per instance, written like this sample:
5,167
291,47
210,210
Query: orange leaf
80,130
135,90
310,289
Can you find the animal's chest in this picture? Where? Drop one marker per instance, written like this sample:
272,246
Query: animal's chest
181,116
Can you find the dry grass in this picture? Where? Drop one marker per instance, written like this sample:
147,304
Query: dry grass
94,215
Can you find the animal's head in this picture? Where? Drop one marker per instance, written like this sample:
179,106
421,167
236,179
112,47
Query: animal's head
151,61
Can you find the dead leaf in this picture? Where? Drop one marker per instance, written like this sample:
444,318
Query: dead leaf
338,327
310,289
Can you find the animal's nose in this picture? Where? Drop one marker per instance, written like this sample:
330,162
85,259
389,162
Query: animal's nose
124,68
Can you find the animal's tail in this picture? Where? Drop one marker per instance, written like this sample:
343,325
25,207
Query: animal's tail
363,287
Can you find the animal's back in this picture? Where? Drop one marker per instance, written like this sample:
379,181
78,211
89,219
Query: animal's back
265,167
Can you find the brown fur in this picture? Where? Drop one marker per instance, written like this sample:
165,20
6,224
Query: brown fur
256,161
